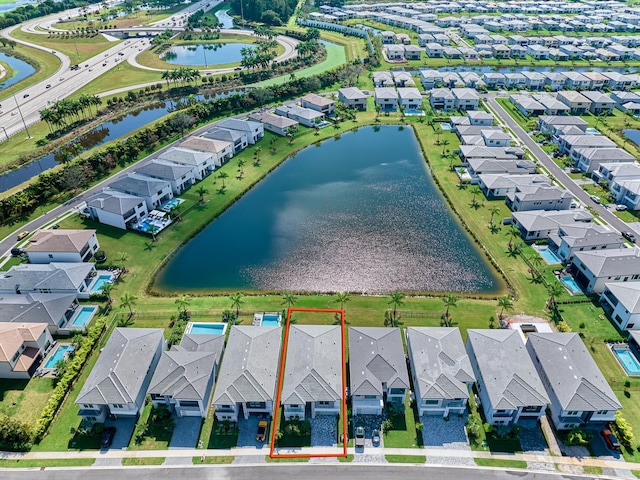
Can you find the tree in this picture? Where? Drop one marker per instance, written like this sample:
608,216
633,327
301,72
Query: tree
449,301
105,289
397,300
241,164
289,299
444,144
342,298
236,302
554,290
493,211
125,322
475,191
122,258
128,301
202,191
513,232
504,303
222,176
183,301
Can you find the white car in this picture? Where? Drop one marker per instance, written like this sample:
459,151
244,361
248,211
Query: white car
595,198
621,208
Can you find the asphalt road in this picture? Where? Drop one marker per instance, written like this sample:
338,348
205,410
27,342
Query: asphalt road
559,174
293,470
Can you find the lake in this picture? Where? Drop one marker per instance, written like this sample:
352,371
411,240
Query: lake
206,54
358,213
633,135
21,70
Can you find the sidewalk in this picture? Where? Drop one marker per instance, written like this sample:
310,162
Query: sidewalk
240,452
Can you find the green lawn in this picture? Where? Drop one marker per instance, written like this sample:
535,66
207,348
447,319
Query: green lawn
405,458
286,460
347,459
24,400
212,460
159,429
523,121
43,463
589,470
404,433
217,435
143,461
494,462
45,63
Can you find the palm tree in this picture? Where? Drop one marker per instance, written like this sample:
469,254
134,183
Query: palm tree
122,258
125,322
554,290
504,303
202,191
241,164
128,301
514,249
475,191
289,299
449,301
493,211
535,262
236,302
223,175
342,298
513,232
397,299
444,144
105,289
183,302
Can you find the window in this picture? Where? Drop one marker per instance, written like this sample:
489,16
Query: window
396,391
431,402
255,404
602,412
370,397
118,405
325,404
572,412
50,256
88,406
188,403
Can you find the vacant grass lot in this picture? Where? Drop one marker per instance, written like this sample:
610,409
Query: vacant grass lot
24,400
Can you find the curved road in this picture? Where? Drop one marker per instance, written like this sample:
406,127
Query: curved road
553,168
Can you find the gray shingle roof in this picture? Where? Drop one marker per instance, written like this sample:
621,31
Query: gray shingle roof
35,307
313,367
50,276
139,185
439,362
163,169
113,201
608,263
249,371
574,378
121,369
509,376
183,375
376,356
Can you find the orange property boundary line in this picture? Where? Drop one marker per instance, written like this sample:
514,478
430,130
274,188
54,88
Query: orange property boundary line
281,379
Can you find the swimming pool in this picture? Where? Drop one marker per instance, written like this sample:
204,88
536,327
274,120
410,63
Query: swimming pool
415,112
206,328
270,321
58,355
571,284
84,316
100,281
627,359
548,255
171,204
592,131
445,126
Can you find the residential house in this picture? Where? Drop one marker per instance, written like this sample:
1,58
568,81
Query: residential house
394,52
515,80
183,380
410,97
22,348
221,150
551,123
70,278
480,118
597,81
431,79
442,99
202,163
508,384
403,79
576,80
154,192
53,309
479,166
118,382
534,80
570,239
117,209
179,176
554,81
465,98
383,79
538,52
441,370
618,81
589,159
614,172
578,103
621,300
304,116
46,246
352,97
248,375
579,394
601,104
253,130
552,106
386,98
412,52
321,104
312,381
239,140
275,123
593,269
377,369
622,98
494,80
570,143
496,138
434,50
496,185
527,105
538,197
539,224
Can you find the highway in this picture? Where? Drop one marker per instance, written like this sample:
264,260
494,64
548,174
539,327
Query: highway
559,174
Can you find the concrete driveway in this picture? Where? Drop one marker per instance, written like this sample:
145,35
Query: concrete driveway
186,431
247,430
124,432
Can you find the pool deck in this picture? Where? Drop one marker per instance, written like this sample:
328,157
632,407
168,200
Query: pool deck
49,372
623,346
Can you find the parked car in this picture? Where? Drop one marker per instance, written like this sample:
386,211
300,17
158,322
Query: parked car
621,208
595,198
107,437
610,439
23,234
359,437
375,436
629,236
17,251
261,435
574,170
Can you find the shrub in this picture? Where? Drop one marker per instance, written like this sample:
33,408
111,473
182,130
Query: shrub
624,430
563,326
15,435
578,437
387,425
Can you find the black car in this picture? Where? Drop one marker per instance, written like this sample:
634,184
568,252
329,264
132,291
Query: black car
17,251
629,236
107,437
26,95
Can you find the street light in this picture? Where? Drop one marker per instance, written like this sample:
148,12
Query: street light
5,132
20,112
